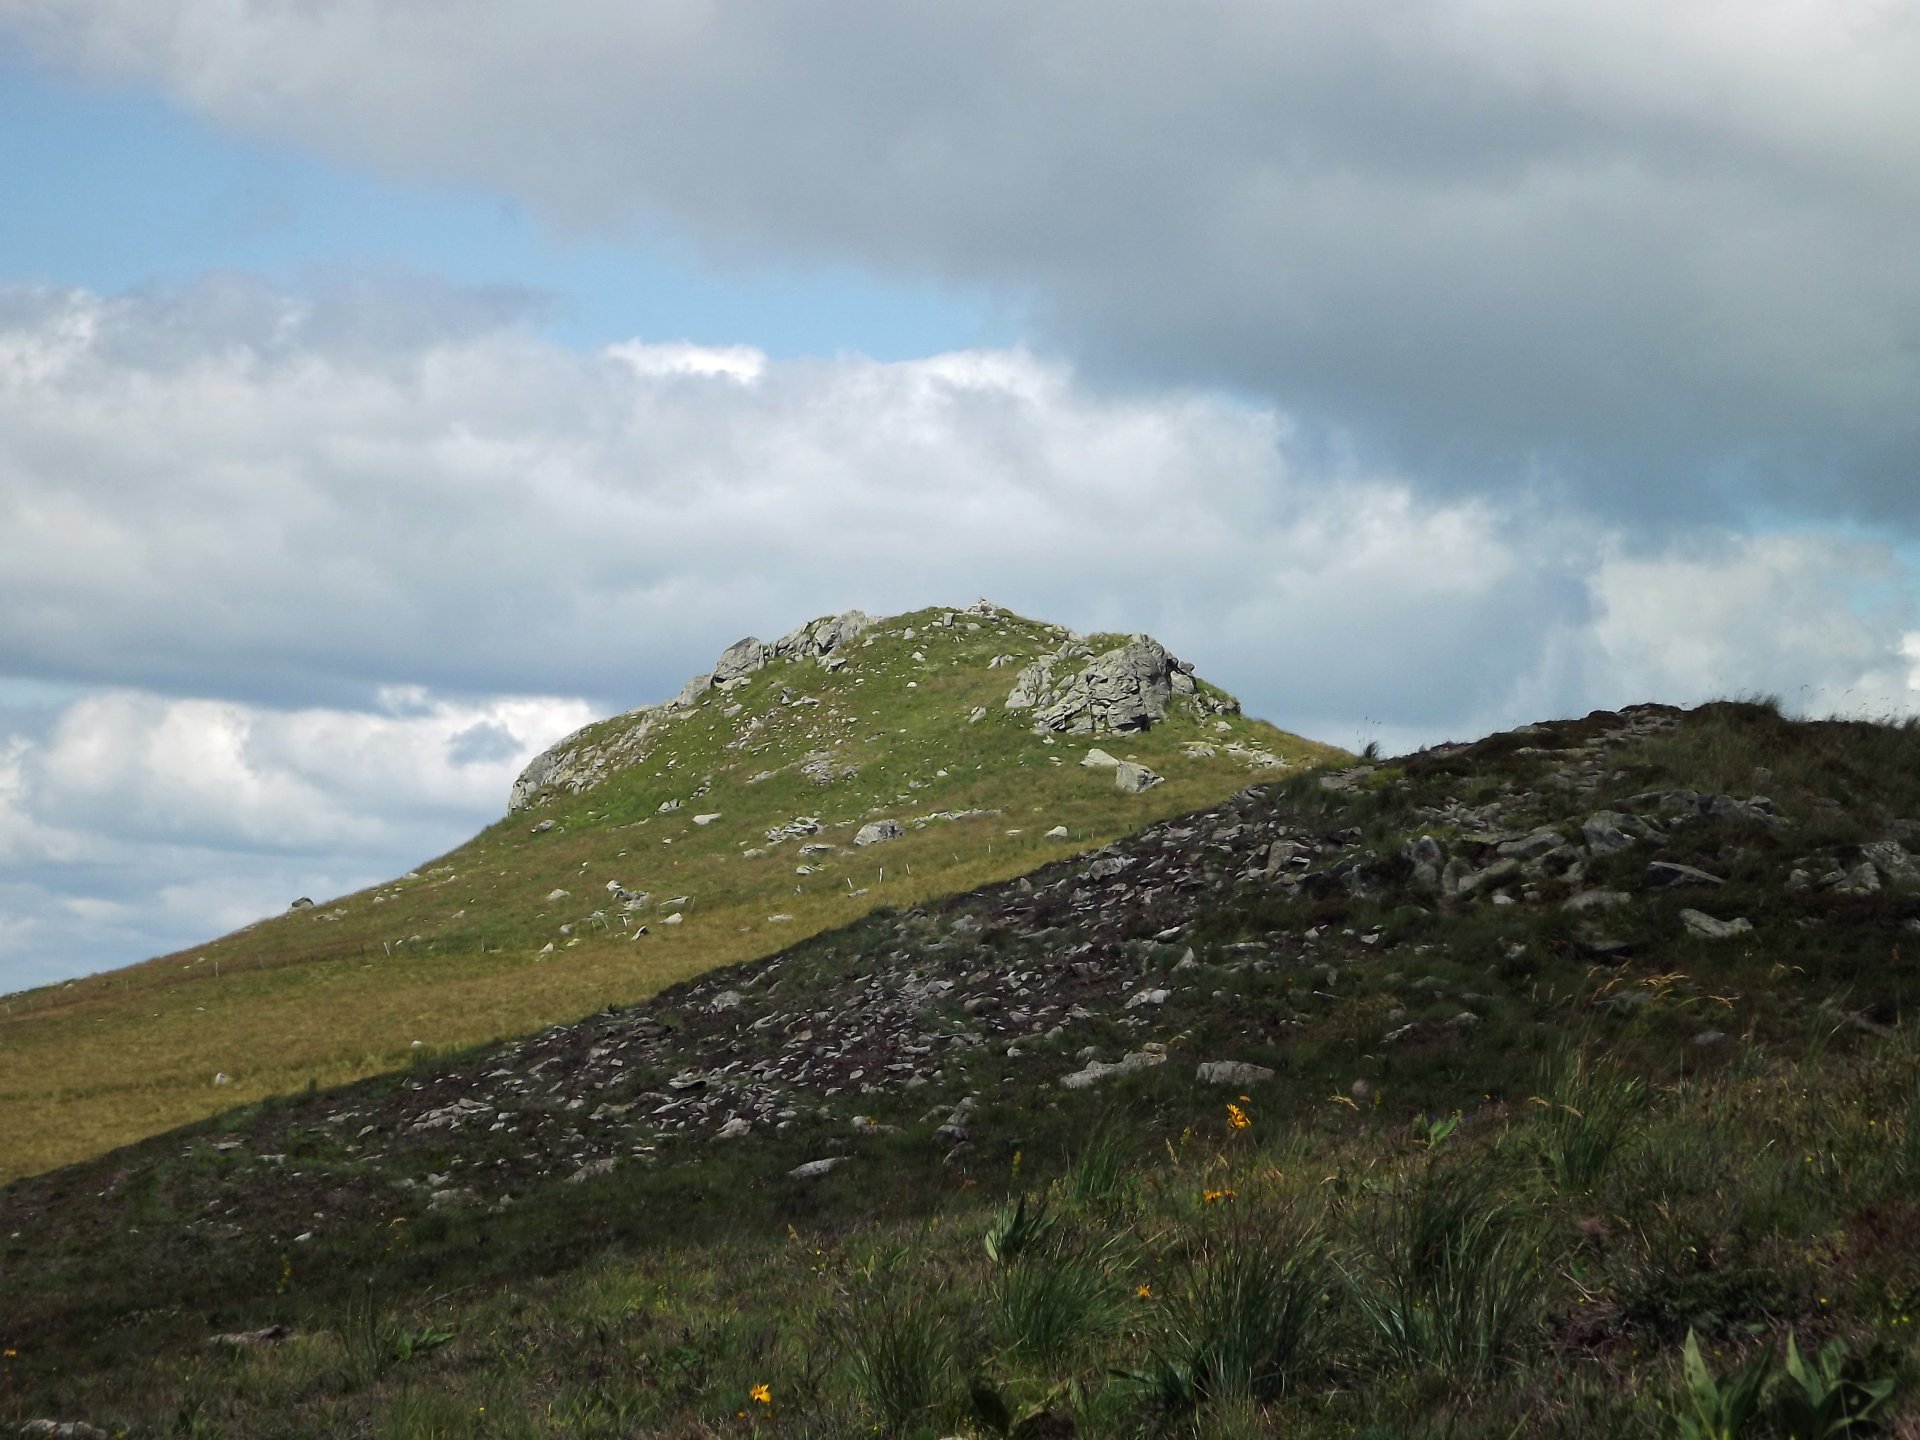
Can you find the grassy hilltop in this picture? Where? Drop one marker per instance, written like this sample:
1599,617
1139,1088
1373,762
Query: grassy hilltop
455,952
1553,1085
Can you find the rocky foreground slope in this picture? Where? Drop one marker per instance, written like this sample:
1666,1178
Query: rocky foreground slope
1404,907
1624,994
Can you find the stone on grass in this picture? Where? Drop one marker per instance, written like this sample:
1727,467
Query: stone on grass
814,1169
1098,759
1664,873
1095,1071
1132,779
1699,923
877,832
1231,1072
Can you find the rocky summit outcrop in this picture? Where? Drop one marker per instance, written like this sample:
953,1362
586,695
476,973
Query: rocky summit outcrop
1121,691
592,754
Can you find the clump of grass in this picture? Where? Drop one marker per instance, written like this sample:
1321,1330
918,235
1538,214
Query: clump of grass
1245,1322
1590,1109
1052,1304
901,1347
1453,1281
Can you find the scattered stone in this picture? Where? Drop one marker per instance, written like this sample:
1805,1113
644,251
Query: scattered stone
706,819
1059,832
1148,997
305,902
553,895
1708,1039
1231,1072
62,1430
1097,759
1863,879
1132,779
877,832
1663,874
252,1339
220,1077
734,1129
814,1169
1586,900
1699,923
1096,1072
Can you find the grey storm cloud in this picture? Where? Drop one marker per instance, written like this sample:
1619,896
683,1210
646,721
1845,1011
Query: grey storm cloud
1647,254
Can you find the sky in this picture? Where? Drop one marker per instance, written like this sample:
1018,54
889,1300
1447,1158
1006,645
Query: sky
387,390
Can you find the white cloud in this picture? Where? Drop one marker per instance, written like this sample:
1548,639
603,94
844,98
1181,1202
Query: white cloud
269,584
136,824
1640,246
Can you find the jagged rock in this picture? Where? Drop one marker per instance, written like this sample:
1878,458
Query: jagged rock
1699,923
743,657
595,752
1097,759
1148,997
1132,779
1096,1072
1426,855
1473,881
877,832
1058,832
1663,874
738,1126
1533,845
1893,862
1231,1072
1125,690
1863,879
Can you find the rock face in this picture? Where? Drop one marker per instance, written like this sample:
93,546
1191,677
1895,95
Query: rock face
1123,691
591,755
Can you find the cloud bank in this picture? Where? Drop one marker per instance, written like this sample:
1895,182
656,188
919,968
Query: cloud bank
295,580
1644,253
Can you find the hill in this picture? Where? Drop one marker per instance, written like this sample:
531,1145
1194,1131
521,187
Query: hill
719,826
1554,1084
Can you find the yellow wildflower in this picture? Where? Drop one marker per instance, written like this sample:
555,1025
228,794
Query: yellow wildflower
1237,1118
1145,1292
762,1394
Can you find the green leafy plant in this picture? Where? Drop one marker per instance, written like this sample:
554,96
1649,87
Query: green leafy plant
1431,1130
1826,1395
1710,1409
1017,1230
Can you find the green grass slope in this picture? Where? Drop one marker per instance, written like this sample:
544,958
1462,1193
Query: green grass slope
1523,1162
456,952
